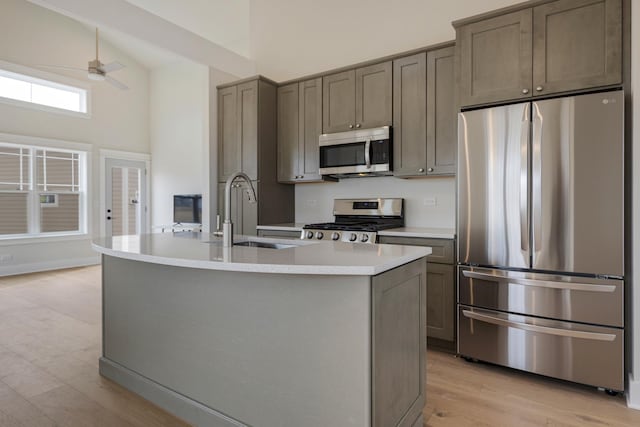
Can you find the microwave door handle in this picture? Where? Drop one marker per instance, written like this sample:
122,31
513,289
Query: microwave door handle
367,153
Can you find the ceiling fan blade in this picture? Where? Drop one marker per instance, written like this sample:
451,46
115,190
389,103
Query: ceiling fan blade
116,83
112,66
60,67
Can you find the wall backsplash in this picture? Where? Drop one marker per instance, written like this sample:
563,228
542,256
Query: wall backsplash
314,202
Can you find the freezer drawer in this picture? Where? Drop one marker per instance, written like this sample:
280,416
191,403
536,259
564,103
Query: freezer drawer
578,299
584,354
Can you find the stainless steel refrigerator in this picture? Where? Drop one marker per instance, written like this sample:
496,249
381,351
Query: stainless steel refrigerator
540,237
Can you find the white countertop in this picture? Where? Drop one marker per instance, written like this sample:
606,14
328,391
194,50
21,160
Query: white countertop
422,232
201,250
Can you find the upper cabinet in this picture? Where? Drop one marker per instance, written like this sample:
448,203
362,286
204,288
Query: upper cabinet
299,126
424,114
238,129
560,46
360,98
247,143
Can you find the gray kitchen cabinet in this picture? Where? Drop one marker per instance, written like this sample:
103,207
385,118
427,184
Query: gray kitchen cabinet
495,58
442,112
299,126
244,214
247,142
360,98
441,299
424,114
238,106
279,234
557,46
577,44
441,286
410,116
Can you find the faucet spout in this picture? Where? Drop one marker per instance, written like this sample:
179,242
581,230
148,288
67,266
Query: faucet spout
227,226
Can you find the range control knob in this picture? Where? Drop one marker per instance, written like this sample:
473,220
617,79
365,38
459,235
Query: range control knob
319,235
309,234
353,237
364,238
335,236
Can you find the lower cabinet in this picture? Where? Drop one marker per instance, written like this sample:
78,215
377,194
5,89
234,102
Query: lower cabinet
441,286
279,234
441,301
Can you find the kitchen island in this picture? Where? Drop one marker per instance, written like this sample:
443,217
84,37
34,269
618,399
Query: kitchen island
312,334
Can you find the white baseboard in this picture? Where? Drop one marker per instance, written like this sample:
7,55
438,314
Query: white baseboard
633,393
34,267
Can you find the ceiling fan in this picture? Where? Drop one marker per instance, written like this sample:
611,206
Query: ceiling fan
96,70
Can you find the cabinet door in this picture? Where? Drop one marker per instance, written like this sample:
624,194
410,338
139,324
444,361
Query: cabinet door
228,142
309,129
244,215
248,128
410,115
288,133
440,301
442,123
495,58
373,95
577,44
338,102
248,211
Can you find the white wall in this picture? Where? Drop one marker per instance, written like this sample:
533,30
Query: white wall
314,202
120,119
179,129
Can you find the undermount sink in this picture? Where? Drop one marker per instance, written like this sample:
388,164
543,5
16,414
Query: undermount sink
267,245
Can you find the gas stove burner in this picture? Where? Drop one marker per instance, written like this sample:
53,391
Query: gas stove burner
358,220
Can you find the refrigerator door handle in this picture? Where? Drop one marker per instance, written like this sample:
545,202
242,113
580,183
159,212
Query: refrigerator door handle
573,286
524,181
536,181
535,328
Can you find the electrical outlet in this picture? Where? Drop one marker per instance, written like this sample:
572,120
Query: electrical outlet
430,201
312,203
5,258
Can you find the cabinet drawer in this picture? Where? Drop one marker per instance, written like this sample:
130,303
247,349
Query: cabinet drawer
570,351
281,234
578,299
442,249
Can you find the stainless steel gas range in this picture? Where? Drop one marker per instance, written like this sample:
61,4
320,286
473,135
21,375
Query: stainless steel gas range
358,220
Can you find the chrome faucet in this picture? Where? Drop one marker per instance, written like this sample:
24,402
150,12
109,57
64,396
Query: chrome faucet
227,226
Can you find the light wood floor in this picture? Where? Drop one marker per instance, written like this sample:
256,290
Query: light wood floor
50,344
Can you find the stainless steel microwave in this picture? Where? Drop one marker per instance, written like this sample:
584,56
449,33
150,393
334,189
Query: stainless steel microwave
361,152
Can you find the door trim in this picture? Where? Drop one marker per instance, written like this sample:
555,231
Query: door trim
129,156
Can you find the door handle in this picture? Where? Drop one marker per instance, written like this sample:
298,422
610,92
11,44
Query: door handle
535,328
573,286
536,180
367,153
524,180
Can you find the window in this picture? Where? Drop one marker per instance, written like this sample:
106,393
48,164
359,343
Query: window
42,191
19,86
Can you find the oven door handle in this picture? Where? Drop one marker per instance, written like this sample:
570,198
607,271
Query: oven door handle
367,153
573,286
535,328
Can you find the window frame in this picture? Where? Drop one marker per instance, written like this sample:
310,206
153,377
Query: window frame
33,205
56,81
